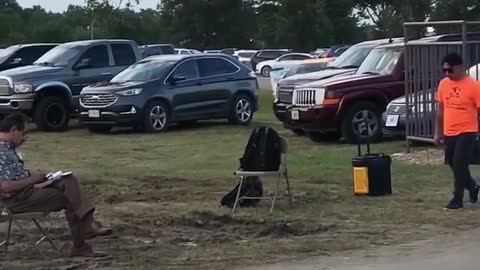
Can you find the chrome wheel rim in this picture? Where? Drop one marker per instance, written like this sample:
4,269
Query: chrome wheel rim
243,110
365,123
158,117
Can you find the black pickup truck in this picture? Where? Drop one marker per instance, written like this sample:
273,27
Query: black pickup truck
48,91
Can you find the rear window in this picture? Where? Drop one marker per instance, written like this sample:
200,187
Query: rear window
246,54
215,66
31,54
271,54
123,54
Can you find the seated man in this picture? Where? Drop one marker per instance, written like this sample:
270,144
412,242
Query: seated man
18,191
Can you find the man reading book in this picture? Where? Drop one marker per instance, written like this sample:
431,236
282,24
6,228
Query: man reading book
18,191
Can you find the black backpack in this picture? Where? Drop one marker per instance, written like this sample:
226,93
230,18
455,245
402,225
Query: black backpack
262,153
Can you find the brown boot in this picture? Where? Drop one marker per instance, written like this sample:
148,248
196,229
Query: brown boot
83,251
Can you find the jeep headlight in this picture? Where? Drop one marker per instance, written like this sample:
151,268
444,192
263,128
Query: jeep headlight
308,96
22,88
130,92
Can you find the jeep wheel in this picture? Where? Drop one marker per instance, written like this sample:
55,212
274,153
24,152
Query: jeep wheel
323,137
51,114
99,129
242,111
362,122
156,117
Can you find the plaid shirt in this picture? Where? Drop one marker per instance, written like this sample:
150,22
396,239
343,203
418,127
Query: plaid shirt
11,164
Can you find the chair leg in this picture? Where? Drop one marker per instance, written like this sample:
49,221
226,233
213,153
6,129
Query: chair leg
276,194
22,230
238,195
45,235
7,238
290,197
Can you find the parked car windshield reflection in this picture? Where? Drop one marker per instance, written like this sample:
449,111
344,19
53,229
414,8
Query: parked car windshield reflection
5,53
143,71
60,56
305,68
352,58
380,61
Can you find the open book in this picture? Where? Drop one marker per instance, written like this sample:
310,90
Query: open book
52,178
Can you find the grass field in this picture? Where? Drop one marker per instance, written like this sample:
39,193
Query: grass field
161,194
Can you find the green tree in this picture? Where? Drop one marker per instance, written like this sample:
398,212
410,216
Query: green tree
389,15
208,23
456,10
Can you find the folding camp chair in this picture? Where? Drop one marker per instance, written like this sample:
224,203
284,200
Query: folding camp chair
7,216
282,172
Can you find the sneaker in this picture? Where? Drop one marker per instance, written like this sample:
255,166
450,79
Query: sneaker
474,194
454,205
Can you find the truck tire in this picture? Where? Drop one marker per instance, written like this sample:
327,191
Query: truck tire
241,112
51,114
365,118
157,117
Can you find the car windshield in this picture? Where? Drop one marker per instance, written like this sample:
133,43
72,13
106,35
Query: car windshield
143,71
351,58
60,56
380,61
305,68
5,53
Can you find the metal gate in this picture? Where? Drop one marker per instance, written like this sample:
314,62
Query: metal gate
423,70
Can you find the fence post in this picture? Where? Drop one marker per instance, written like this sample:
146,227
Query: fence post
407,79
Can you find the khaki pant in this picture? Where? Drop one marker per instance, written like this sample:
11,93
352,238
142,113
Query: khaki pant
66,194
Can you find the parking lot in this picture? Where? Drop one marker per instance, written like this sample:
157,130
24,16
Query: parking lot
161,193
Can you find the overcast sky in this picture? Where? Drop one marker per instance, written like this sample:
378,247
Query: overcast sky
62,5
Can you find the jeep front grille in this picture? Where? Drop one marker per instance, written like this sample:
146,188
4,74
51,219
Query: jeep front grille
98,100
285,94
4,87
305,97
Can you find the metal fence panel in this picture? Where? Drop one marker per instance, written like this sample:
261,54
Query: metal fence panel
423,72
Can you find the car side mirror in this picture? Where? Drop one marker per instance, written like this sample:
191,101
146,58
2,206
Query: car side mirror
176,78
85,63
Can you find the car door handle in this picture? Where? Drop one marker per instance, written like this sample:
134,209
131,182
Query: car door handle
199,83
107,74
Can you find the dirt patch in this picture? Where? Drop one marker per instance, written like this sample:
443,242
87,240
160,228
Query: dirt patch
421,157
160,223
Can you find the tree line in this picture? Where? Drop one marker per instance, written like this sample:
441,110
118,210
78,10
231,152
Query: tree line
206,24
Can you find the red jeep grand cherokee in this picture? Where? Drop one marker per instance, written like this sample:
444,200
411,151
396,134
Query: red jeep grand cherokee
350,106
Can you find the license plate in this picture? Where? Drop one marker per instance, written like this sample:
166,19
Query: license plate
94,113
295,115
392,120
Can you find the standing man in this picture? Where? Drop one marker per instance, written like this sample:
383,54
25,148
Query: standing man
18,192
457,125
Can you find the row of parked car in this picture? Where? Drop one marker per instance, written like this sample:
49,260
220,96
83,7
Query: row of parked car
359,96
109,83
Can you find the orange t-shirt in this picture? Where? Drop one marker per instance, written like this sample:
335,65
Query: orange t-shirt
461,100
